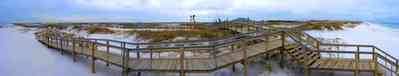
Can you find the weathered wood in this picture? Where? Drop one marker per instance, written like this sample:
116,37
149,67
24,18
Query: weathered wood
74,50
125,60
182,63
374,62
138,53
233,65
357,60
93,59
245,60
107,50
220,55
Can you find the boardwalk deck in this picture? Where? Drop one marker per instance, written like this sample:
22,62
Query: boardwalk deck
342,65
303,48
171,65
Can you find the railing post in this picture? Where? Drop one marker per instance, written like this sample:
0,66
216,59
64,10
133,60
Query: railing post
151,58
81,45
283,42
357,60
57,42
138,52
233,65
48,40
125,59
267,38
61,46
138,57
374,61
73,49
396,68
107,50
318,48
245,59
93,59
53,42
182,64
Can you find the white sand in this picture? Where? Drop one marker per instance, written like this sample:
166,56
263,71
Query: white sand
384,37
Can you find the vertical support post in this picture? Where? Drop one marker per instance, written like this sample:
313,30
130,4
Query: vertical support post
233,66
138,53
53,41
283,42
138,57
93,59
318,48
266,41
307,70
213,52
125,60
61,44
374,61
81,45
248,28
245,59
357,60
107,50
73,49
57,42
396,68
48,40
182,65
151,58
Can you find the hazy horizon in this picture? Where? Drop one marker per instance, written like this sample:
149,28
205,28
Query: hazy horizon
206,10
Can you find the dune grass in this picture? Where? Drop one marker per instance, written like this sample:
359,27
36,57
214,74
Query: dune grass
98,30
328,25
200,32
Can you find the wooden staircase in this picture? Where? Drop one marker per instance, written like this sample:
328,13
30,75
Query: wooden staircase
302,56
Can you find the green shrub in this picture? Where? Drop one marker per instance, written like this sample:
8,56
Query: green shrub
96,29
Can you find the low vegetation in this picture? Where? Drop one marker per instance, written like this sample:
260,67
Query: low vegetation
201,32
328,25
99,30
55,26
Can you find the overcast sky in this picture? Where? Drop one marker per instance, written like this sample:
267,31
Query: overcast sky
206,10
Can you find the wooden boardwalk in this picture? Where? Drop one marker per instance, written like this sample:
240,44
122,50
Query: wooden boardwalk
211,55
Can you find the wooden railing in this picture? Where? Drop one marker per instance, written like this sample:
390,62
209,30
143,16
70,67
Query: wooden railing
350,51
212,49
362,52
132,52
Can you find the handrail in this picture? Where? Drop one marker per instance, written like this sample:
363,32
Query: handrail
375,50
211,42
186,41
371,46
